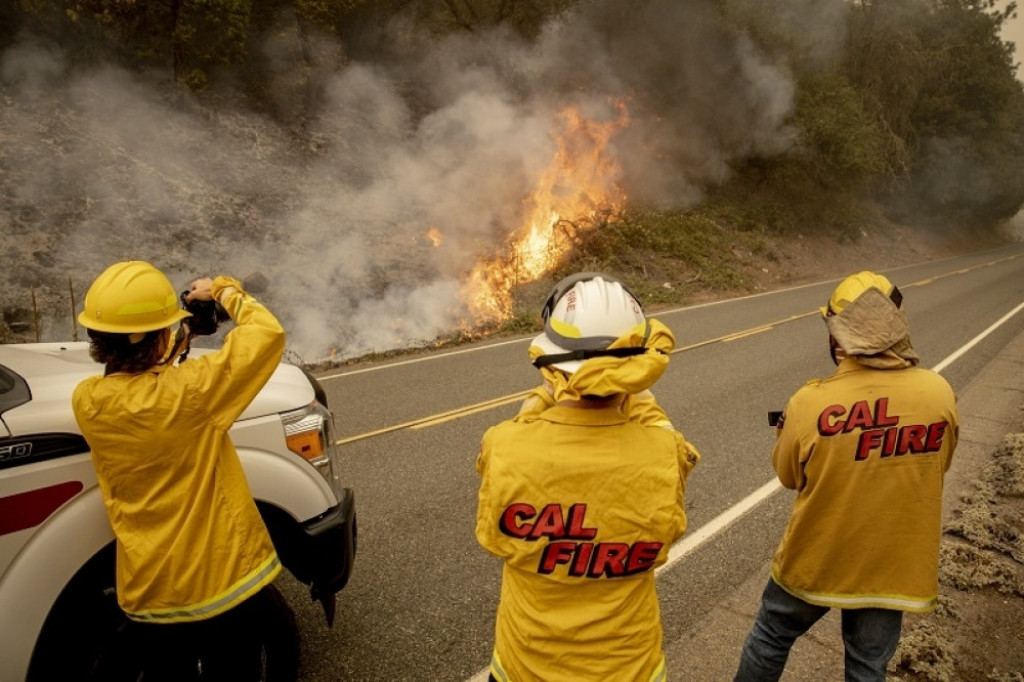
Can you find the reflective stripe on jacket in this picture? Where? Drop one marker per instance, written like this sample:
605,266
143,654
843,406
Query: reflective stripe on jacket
581,505
190,541
866,450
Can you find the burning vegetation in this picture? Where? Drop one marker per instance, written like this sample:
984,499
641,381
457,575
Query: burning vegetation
399,179
577,191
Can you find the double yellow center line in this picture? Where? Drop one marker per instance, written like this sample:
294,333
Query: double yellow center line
458,413
442,417
465,411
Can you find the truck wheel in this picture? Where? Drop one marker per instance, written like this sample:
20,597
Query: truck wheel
83,637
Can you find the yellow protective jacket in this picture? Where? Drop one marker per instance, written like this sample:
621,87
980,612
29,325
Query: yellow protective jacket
866,450
582,504
190,541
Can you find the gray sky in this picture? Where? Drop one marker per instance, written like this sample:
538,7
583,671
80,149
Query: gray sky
1014,30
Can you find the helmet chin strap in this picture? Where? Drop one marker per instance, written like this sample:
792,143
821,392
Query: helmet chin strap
586,353
179,348
545,360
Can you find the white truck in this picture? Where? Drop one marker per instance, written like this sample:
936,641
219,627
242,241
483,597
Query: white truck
58,610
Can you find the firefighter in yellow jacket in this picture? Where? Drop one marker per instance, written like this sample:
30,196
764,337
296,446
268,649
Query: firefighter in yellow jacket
192,550
581,495
866,450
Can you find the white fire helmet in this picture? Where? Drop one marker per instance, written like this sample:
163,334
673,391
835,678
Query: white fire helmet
582,316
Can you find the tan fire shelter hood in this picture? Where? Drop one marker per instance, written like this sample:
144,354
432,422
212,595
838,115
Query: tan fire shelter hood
560,503
874,331
190,541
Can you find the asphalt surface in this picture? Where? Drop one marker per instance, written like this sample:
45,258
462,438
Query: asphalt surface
421,601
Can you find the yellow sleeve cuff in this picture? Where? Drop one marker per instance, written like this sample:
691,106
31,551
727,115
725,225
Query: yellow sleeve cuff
222,282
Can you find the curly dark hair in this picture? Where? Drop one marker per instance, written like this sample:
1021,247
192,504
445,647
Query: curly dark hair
119,354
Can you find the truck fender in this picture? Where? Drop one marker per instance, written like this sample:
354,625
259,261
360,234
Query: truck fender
287,482
44,566
80,529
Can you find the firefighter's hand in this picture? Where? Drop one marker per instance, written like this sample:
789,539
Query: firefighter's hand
200,290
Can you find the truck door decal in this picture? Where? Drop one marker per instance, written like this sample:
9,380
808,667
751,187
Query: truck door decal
29,509
39,447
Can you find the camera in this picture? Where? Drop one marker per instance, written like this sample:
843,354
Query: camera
206,315
775,418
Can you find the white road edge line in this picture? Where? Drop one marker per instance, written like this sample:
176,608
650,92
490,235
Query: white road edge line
692,541
950,359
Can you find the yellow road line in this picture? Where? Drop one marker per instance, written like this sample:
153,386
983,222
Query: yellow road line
443,416
744,333
749,332
963,271
471,410
450,415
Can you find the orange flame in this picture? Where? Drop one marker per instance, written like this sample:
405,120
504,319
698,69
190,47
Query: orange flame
434,236
578,187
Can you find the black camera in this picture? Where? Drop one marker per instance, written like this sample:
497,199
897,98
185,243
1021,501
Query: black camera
775,418
206,315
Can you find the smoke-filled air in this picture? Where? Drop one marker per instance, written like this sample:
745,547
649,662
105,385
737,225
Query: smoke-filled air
427,183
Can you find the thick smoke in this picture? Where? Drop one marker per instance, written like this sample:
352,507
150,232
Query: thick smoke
99,166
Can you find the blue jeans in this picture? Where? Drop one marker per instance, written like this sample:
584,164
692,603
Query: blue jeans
870,637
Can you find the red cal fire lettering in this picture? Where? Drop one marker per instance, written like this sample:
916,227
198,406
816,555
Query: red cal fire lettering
935,433
826,427
550,522
880,432
555,553
568,544
510,518
609,560
603,559
862,416
642,556
914,439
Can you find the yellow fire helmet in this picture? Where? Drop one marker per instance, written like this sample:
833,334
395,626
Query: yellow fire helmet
131,297
850,289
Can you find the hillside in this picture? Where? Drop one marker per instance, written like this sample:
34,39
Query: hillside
388,174
37,299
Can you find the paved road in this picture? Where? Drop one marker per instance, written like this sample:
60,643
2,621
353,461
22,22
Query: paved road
421,601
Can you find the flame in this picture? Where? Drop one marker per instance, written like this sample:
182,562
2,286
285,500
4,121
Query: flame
577,188
434,235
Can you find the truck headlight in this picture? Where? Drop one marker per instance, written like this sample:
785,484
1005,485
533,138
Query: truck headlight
307,432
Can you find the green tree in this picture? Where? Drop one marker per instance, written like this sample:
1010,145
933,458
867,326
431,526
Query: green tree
206,34
941,84
191,36
845,143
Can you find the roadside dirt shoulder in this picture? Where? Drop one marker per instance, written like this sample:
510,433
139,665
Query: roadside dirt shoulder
977,633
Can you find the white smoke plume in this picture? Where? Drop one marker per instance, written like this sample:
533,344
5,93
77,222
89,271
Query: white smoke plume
98,167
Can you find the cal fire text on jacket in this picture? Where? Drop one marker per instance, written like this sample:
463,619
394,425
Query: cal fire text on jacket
570,542
880,432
